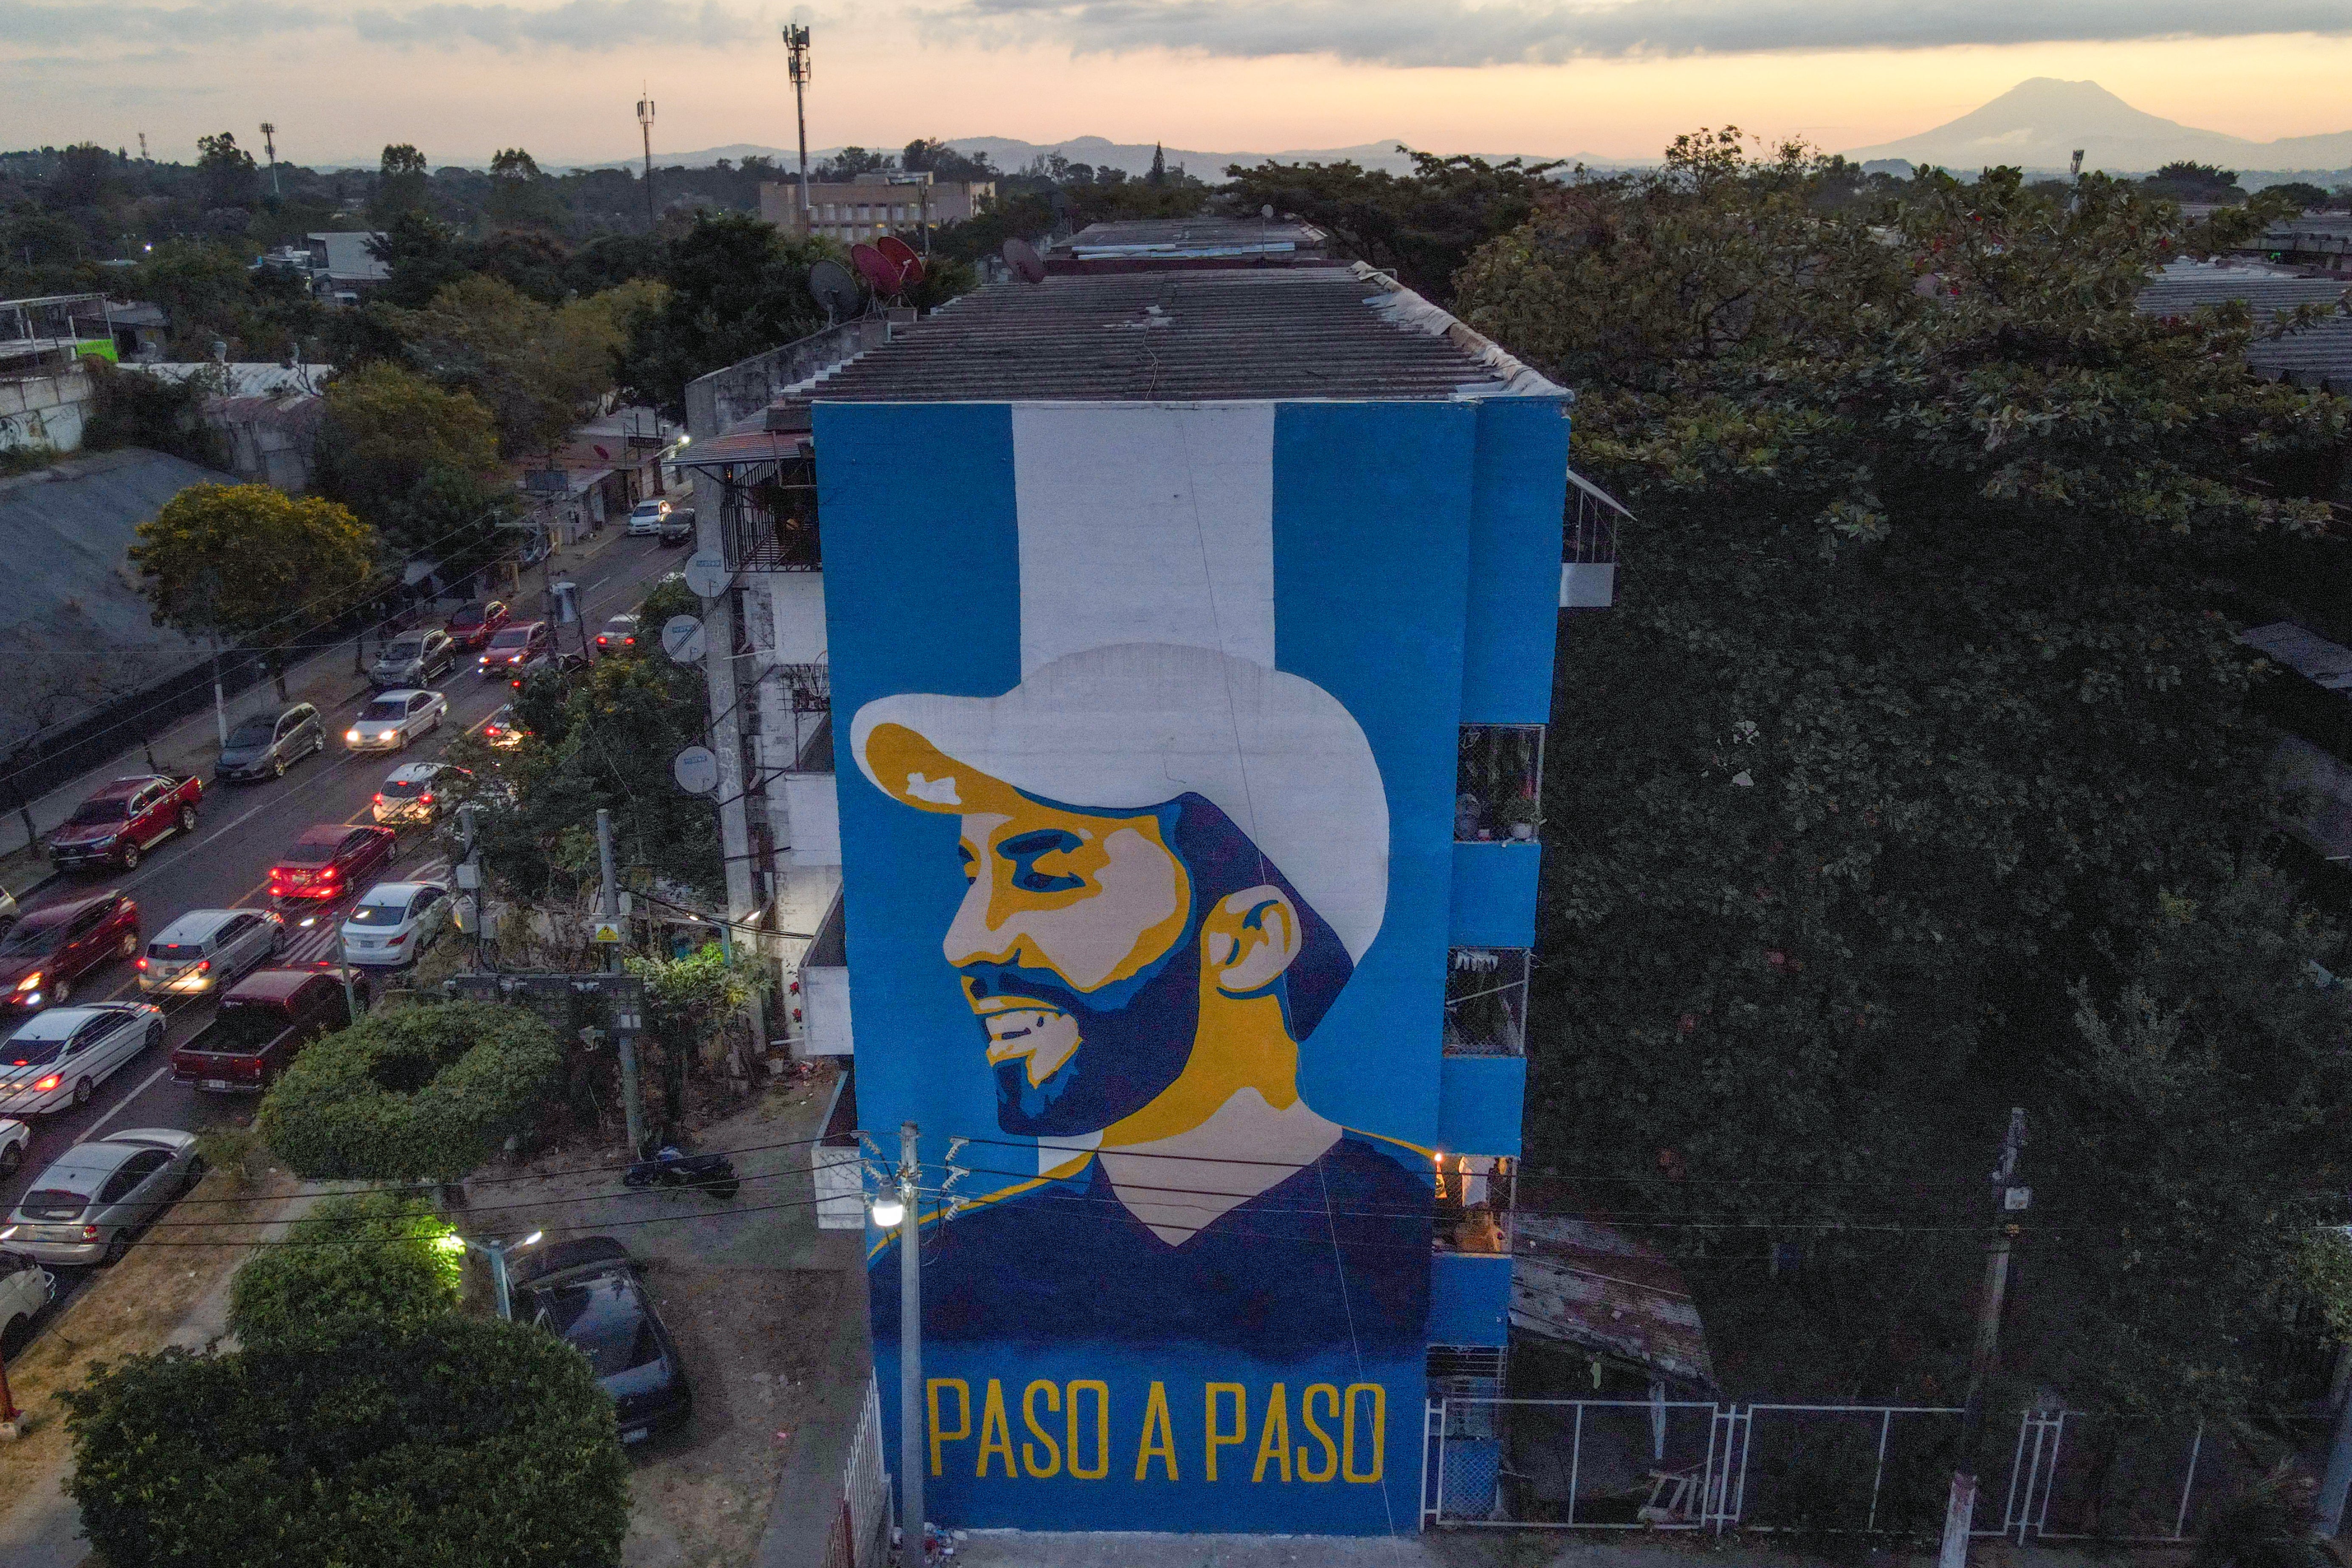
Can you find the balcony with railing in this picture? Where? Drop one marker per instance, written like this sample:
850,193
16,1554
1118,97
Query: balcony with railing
1472,1204
1587,563
771,524
1486,1002
1497,782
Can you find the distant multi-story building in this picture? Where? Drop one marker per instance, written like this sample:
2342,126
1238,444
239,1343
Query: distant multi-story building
858,210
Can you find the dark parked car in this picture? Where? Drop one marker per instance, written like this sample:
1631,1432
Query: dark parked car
414,658
472,625
266,745
589,1295
331,860
51,948
678,525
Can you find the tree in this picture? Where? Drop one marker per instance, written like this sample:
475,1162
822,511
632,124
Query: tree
688,1001
2185,181
455,1440
1422,226
943,161
1925,711
398,448
519,195
538,369
852,163
251,564
2302,194
423,255
402,183
383,1258
227,171
1158,174
132,408
420,1093
737,288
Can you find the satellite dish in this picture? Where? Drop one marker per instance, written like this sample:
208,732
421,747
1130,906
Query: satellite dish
1022,256
885,276
684,639
707,574
696,768
1266,211
910,266
834,288
603,453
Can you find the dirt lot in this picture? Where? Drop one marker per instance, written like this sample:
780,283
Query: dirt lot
741,1287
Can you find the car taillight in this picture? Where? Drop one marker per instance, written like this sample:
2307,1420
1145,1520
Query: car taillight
600,642
203,965
90,1233
43,1085
424,799
378,797
328,875
141,963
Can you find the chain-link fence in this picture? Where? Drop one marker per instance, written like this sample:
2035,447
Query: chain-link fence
1595,1464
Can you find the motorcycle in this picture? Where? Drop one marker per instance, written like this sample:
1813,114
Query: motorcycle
714,1175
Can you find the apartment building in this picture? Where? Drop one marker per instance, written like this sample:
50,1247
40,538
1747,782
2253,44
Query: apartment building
858,210
1145,746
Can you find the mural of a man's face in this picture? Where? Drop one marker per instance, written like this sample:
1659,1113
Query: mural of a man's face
1075,946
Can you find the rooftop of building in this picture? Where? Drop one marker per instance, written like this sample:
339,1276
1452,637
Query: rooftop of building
1145,243
1234,332
2317,355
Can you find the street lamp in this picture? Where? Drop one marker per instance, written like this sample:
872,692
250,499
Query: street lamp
496,1251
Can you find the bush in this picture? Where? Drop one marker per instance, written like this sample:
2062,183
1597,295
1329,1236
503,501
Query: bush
417,1094
381,1257
457,1441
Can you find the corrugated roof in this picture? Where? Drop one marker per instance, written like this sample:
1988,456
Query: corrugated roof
1178,336
2317,355
1580,1283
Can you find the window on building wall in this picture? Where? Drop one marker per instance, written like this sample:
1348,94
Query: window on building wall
1486,1002
1499,782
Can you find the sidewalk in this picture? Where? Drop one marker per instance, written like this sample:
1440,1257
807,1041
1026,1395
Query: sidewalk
327,679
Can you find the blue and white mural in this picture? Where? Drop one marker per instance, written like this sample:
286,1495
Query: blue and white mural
1153,714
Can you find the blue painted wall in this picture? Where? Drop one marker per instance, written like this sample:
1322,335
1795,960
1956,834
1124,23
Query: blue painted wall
1290,1363
1494,894
1469,1299
1480,1100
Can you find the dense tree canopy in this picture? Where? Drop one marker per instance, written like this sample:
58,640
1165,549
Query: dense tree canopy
390,1445
373,1257
737,288
1913,778
418,461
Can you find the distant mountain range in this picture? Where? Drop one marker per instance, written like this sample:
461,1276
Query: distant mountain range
1011,156
2037,124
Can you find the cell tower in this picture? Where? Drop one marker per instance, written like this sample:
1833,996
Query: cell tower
796,43
269,144
645,124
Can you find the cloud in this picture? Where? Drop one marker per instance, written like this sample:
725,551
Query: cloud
575,25
1466,33
583,24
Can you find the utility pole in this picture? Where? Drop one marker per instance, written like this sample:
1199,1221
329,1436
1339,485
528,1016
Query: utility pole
268,133
624,1041
645,124
468,873
910,1349
797,45
2009,1200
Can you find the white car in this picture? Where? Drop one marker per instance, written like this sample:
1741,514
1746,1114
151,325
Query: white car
645,517
417,792
394,923
206,951
25,1288
396,717
14,1139
55,1059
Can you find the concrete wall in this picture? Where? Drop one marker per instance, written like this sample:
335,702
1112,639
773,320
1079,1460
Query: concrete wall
718,400
824,1002
45,410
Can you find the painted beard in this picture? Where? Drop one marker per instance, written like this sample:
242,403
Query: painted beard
1099,1057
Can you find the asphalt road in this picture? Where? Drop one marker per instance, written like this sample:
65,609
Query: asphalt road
225,864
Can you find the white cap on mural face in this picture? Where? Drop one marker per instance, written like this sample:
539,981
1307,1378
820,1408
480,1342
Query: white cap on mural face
1130,727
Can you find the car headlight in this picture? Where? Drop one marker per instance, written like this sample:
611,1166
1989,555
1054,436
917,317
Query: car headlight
351,735
30,982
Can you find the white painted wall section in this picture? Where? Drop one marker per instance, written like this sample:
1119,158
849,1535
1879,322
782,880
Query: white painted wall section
1145,523
815,811
824,1013
798,598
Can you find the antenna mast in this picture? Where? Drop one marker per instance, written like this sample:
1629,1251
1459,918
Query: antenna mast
268,132
645,124
796,41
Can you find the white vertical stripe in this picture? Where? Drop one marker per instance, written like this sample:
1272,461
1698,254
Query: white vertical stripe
1145,523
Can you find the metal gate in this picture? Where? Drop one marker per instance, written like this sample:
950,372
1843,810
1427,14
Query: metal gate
860,1536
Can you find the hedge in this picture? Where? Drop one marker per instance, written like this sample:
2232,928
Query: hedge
457,1442
379,1257
419,1093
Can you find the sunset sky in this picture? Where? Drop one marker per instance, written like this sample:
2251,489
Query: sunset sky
560,77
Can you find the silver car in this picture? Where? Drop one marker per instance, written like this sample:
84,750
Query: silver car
82,1209
25,1288
414,658
55,1059
206,951
396,717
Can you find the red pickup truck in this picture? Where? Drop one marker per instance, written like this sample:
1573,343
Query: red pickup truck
124,819
265,1018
